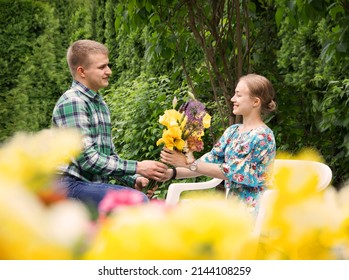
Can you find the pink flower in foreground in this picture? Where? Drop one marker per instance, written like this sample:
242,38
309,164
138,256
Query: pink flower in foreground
157,201
118,198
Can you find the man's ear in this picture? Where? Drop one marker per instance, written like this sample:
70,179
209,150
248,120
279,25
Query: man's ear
80,71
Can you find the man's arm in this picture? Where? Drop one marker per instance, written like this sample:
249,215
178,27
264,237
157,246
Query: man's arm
75,113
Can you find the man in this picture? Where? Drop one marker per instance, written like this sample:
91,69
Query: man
87,177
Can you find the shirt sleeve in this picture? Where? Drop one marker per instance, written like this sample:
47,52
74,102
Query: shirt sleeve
217,154
244,161
128,180
75,113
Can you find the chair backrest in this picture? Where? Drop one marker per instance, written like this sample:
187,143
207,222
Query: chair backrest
322,170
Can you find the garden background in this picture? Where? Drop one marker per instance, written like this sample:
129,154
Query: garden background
163,48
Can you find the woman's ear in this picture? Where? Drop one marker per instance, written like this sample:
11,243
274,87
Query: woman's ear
256,102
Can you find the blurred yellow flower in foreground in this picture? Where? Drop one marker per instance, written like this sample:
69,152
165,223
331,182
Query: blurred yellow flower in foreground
29,229
337,201
302,223
200,229
30,160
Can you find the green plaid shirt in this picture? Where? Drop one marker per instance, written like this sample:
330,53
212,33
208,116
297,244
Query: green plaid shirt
85,109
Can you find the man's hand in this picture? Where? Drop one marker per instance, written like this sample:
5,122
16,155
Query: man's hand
152,169
167,175
142,182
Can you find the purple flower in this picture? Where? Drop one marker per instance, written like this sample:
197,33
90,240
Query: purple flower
195,112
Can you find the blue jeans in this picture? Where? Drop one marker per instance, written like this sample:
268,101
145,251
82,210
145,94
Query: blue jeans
90,193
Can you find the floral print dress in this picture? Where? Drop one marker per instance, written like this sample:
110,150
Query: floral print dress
245,158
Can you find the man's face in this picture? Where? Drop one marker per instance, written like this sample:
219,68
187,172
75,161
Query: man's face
96,74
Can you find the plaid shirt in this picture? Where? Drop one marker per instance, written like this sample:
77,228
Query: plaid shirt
85,109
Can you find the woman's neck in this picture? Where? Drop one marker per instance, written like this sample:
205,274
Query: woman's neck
251,122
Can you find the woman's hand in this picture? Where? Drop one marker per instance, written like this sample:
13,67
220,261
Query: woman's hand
173,158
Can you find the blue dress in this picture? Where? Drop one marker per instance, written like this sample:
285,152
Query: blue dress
244,159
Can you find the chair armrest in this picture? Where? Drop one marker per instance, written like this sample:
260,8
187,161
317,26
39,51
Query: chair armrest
175,189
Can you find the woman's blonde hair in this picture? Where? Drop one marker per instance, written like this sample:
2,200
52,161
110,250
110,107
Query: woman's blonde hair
262,88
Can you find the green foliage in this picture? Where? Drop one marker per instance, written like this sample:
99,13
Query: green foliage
110,33
297,12
80,22
30,78
128,57
191,46
313,101
162,48
97,16
136,107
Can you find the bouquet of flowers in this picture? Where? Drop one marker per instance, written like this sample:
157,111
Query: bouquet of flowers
184,129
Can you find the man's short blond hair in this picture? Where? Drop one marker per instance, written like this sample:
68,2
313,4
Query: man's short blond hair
78,53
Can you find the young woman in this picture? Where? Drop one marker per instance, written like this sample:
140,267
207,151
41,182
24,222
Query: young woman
244,152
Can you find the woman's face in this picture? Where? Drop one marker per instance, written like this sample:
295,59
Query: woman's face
242,100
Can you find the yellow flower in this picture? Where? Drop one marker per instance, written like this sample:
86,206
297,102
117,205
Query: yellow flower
29,230
183,123
196,230
304,230
301,224
170,118
305,154
207,121
191,122
294,187
338,200
172,138
31,159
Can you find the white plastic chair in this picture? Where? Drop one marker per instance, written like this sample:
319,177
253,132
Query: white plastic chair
322,170
175,189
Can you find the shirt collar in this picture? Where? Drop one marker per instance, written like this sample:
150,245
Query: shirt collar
86,91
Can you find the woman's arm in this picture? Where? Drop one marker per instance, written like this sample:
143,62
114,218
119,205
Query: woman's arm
183,173
212,170
179,160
